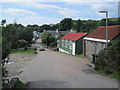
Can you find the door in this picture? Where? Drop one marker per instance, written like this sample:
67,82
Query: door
84,49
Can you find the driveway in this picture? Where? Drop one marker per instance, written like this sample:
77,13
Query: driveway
51,69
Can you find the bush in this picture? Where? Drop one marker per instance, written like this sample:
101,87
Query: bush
47,38
22,43
44,36
53,44
4,72
109,63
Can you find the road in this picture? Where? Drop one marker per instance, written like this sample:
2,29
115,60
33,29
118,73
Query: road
50,69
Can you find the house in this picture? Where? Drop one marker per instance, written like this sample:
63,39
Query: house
96,41
35,35
71,43
56,32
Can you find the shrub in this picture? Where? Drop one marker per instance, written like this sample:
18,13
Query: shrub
22,43
109,63
53,44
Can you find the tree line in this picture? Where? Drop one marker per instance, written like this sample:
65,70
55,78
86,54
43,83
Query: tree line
78,25
16,35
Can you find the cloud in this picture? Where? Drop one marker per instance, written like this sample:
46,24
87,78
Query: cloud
54,8
32,19
88,10
68,12
95,7
40,20
60,1
112,8
17,11
17,1
40,5
27,17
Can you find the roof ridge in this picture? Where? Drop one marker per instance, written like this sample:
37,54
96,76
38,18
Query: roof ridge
73,36
109,26
100,32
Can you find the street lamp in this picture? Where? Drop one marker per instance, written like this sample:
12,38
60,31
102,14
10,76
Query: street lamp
106,26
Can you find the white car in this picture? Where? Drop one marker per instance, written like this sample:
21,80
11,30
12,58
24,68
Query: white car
41,48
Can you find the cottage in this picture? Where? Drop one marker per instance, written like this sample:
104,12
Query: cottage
35,35
56,32
71,43
96,41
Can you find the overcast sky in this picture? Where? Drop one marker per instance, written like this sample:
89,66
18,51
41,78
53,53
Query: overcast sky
34,12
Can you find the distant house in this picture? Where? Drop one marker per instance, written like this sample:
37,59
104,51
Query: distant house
56,33
35,35
72,43
96,41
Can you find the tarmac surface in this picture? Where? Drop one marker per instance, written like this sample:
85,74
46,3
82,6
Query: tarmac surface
50,69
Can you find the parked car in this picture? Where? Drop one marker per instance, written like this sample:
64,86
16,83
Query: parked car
41,48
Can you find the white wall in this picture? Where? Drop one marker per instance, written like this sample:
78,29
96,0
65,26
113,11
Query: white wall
73,48
61,50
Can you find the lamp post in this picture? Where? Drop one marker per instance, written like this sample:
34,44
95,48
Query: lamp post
106,27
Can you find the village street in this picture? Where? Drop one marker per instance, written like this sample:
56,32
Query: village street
50,69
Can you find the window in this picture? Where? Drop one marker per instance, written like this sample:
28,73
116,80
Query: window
62,42
70,44
66,43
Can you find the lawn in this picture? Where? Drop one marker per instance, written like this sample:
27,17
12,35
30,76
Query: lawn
80,56
22,51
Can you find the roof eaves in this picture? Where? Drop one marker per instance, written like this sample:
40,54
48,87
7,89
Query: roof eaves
94,39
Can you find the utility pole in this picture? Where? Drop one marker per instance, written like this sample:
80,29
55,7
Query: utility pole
106,28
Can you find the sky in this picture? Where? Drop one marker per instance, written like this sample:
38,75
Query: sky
52,12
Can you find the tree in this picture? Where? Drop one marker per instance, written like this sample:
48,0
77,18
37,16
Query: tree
111,21
44,35
53,44
89,25
78,26
22,43
10,33
47,38
15,32
45,27
54,26
6,48
103,22
26,34
59,36
3,22
51,39
65,24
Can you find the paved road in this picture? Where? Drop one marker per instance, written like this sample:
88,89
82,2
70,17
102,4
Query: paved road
51,69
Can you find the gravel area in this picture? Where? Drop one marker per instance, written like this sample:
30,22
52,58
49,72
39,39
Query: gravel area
20,61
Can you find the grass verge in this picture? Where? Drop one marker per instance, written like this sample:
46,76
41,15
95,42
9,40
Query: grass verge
80,55
20,85
22,51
